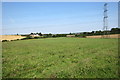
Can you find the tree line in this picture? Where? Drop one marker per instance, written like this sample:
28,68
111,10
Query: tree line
112,31
82,34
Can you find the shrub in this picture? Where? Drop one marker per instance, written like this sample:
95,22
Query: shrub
29,37
36,37
4,40
23,38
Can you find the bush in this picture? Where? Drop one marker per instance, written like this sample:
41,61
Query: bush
23,38
4,40
29,37
36,37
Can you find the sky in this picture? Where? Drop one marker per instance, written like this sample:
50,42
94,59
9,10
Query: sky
56,17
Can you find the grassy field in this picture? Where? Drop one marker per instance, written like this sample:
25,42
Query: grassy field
61,58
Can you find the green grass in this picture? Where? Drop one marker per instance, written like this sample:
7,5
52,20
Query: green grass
61,58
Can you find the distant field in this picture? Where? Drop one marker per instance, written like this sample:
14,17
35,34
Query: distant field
61,58
10,37
105,36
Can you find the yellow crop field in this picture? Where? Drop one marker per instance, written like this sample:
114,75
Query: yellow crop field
10,37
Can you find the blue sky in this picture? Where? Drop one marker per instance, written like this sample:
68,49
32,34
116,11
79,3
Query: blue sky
56,17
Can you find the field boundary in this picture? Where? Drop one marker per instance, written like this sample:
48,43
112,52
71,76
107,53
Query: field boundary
105,36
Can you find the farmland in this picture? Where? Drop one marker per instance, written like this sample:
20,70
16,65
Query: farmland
10,37
105,36
60,58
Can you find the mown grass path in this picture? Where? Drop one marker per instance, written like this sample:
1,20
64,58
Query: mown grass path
61,58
